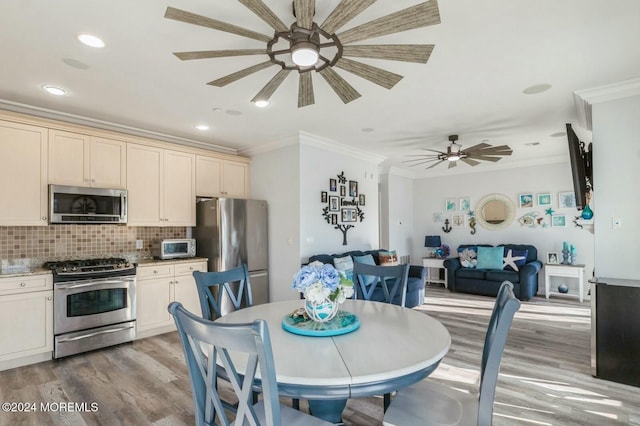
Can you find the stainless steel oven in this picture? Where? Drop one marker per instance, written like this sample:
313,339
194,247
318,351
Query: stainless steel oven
94,305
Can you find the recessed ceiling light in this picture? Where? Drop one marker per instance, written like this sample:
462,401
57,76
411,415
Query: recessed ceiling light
537,88
233,112
202,127
368,129
217,109
91,40
261,103
55,90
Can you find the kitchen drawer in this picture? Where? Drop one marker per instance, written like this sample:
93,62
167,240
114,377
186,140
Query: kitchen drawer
188,268
26,284
154,271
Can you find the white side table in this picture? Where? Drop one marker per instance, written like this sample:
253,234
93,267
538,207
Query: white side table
560,270
432,263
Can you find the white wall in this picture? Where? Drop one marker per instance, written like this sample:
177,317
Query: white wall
616,162
318,165
397,232
275,178
429,196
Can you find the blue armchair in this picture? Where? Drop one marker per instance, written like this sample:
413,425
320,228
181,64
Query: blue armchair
487,282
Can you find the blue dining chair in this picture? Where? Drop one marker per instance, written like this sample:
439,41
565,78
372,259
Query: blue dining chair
207,344
213,286
381,283
430,403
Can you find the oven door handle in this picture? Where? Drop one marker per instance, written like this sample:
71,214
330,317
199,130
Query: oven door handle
97,333
93,283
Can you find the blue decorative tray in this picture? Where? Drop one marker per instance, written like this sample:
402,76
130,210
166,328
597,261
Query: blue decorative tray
344,322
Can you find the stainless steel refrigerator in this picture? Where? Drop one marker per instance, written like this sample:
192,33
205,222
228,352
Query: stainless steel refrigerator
230,232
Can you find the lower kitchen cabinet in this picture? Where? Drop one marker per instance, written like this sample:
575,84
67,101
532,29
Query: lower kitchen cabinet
26,320
157,286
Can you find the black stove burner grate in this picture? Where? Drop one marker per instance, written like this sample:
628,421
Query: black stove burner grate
77,269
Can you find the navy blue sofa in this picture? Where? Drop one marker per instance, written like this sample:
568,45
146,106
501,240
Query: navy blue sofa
487,282
415,283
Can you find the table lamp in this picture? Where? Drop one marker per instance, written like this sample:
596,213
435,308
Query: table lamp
432,242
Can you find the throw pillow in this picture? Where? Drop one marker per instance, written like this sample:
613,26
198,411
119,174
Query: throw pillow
490,257
388,258
344,265
514,258
367,259
468,256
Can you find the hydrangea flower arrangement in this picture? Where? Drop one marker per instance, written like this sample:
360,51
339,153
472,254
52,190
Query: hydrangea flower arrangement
319,282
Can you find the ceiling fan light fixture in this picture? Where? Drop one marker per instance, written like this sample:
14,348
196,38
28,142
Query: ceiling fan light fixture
261,103
304,53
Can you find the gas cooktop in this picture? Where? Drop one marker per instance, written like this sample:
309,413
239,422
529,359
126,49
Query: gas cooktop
90,268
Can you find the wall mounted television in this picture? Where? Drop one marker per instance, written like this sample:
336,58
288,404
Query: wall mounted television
581,167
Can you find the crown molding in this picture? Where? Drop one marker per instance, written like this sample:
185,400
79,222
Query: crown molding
107,125
584,99
333,146
269,146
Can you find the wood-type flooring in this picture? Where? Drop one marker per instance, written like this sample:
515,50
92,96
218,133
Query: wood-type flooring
545,377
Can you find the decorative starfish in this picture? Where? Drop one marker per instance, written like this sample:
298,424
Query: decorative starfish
510,260
471,213
549,211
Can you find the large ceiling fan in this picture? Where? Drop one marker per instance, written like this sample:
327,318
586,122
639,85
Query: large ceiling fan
306,46
482,151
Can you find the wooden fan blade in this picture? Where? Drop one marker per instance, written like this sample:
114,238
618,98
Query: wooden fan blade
475,147
344,90
265,93
305,90
266,14
304,10
420,15
418,53
207,54
452,164
432,166
223,81
435,150
203,21
375,75
485,158
420,163
343,13
422,155
470,161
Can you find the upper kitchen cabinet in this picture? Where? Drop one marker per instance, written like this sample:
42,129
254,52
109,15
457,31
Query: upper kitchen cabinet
23,174
161,186
216,177
81,160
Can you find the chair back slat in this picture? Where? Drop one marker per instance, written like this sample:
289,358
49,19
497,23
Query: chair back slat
504,310
213,287
207,344
391,279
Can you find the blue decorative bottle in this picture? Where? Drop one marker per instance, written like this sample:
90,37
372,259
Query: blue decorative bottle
587,213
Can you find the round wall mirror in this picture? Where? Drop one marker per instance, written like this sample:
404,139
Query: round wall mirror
495,211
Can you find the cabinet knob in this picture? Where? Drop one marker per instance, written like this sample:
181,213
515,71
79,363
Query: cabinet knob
23,284
155,272
86,180
49,298
44,218
175,282
93,180
191,268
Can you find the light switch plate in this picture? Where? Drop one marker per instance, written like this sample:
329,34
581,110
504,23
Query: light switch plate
139,244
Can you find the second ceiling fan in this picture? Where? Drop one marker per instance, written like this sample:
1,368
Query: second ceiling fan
305,46
471,156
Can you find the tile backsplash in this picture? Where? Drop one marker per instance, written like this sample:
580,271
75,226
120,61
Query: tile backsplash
58,242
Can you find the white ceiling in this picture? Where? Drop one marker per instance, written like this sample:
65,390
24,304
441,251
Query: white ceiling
486,53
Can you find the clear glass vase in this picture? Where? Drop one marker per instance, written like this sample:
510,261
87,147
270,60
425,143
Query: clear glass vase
321,312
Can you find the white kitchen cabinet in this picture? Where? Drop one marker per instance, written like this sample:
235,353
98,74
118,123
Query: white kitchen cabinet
161,186
23,174
157,286
81,160
26,320
216,177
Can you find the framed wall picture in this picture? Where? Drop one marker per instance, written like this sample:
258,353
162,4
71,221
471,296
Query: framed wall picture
334,203
343,191
353,188
332,185
323,197
349,215
361,199
450,205
566,200
558,220
464,204
458,220
544,199
552,257
334,219
526,200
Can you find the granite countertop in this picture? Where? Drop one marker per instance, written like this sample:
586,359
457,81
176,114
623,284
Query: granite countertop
149,262
23,271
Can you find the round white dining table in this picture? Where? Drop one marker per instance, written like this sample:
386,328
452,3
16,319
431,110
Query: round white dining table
393,348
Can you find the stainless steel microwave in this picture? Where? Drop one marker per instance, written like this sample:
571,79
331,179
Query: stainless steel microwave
173,249
75,204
